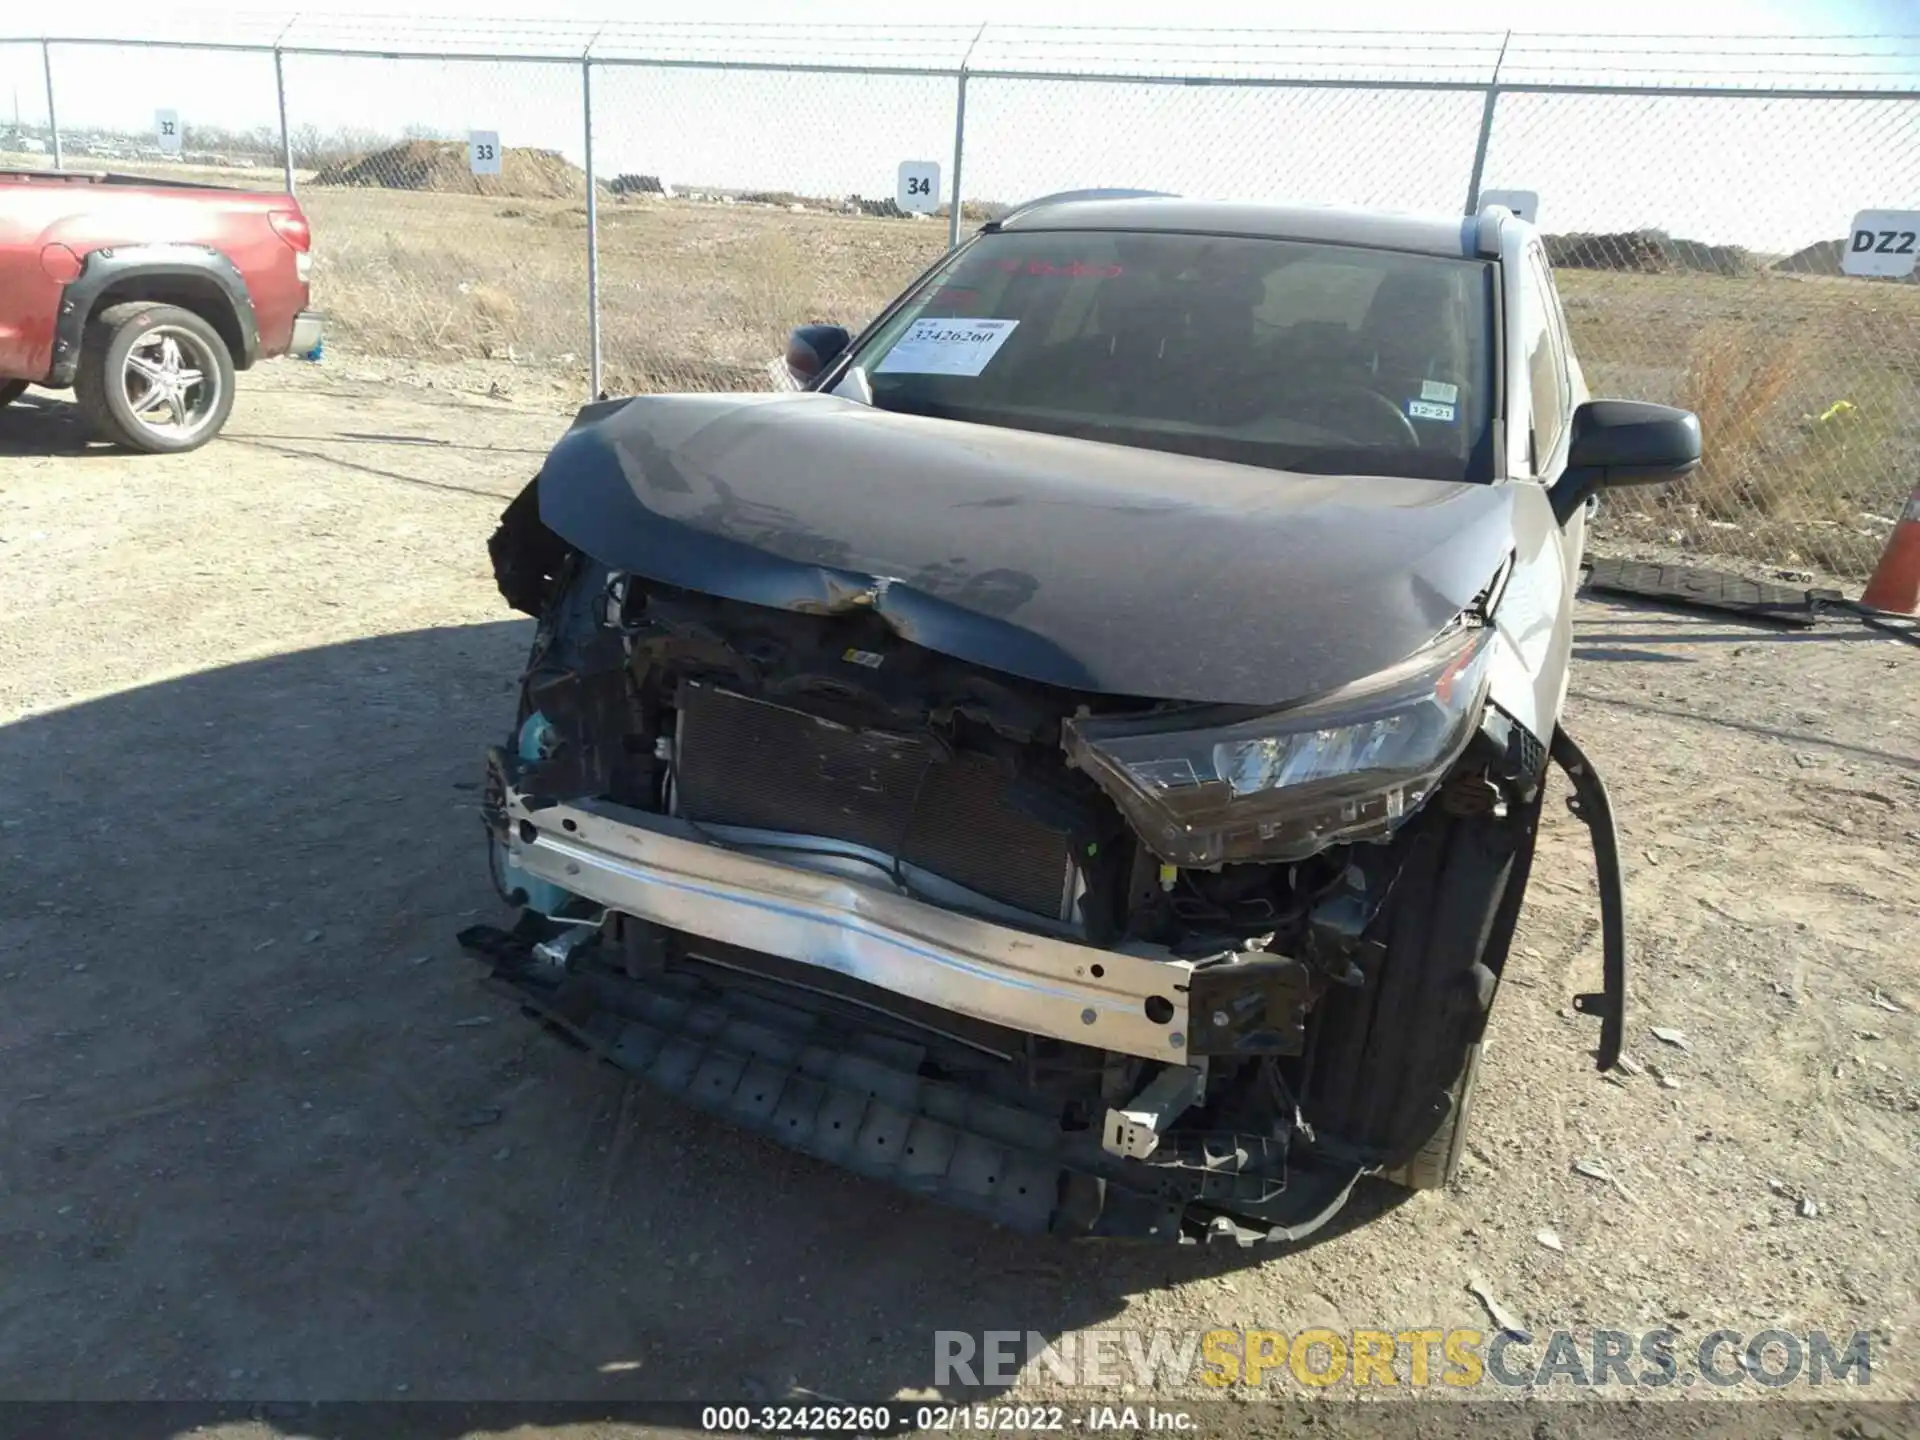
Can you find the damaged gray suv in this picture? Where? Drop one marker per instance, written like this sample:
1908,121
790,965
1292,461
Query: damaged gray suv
1079,758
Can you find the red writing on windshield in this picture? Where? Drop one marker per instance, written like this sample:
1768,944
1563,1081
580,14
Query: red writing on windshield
1074,269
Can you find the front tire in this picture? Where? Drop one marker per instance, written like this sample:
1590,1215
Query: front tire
1395,1060
1438,1161
154,378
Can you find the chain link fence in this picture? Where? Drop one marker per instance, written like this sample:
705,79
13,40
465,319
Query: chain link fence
419,260
24,128
1807,382
664,201
1032,136
219,110
744,202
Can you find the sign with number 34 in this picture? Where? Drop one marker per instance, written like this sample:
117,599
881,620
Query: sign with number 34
918,189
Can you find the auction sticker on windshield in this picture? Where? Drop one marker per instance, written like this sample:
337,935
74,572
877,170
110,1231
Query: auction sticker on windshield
946,346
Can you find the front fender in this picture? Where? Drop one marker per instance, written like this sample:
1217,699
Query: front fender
1533,618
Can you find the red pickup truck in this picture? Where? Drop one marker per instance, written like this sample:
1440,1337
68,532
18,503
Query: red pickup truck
145,296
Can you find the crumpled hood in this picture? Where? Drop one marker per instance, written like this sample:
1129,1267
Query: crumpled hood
1092,566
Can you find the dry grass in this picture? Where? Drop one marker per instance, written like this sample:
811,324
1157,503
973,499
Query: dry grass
1735,381
427,276
692,296
703,297
1778,481
1808,391
700,296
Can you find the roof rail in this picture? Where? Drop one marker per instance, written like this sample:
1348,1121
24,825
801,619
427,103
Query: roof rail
1063,196
1487,223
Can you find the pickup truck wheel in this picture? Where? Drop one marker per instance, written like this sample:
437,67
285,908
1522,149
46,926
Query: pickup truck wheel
10,391
154,378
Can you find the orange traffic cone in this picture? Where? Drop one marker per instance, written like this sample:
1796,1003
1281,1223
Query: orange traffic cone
1895,587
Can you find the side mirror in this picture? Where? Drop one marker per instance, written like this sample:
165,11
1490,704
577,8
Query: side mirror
812,348
1624,442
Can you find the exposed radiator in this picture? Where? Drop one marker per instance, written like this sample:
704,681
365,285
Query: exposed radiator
753,763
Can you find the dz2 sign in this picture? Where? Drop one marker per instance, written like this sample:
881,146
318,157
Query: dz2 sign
1883,243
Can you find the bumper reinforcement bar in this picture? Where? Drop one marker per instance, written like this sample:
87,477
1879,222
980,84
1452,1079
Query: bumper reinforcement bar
659,869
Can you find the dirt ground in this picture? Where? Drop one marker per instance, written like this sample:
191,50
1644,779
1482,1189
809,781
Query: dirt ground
263,1136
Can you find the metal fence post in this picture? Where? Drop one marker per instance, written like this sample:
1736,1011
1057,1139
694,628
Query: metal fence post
286,135
959,148
53,120
593,234
960,138
1486,128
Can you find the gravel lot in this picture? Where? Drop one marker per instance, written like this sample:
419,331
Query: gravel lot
264,1136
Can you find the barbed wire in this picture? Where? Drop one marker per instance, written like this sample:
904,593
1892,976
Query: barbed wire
1885,62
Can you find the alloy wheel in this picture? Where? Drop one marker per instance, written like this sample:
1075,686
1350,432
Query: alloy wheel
171,382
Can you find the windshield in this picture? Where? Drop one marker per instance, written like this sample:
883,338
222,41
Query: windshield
1329,359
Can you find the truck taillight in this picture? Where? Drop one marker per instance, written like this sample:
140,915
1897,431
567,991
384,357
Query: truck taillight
291,226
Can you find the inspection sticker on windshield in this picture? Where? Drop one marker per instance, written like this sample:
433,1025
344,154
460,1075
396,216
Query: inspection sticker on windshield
1429,410
1439,390
947,346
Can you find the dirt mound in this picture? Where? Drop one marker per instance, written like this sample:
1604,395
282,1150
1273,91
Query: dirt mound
629,184
1705,259
1823,258
1820,258
1628,250
442,165
1648,251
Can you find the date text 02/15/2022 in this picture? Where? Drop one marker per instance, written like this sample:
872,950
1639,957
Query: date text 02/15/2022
939,1419
1028,1419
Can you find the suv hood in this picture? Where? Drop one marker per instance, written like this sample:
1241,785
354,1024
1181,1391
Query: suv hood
1076,563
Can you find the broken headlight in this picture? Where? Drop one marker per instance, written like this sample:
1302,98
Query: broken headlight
1350,765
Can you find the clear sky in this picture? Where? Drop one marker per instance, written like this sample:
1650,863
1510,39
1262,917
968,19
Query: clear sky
1770,173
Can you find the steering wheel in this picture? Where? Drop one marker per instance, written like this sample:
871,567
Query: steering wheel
1377,414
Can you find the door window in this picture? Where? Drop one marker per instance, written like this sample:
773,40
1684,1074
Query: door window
1544,345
